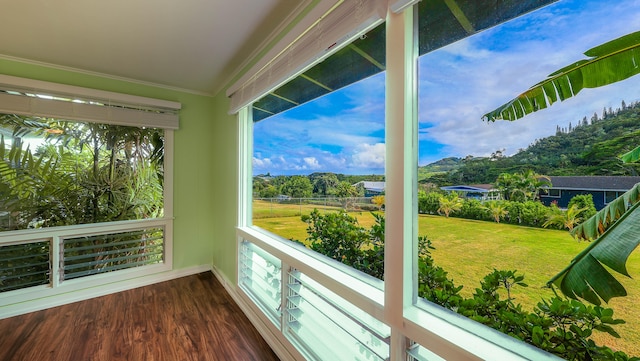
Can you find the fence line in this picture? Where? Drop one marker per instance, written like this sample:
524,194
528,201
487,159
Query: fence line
278,204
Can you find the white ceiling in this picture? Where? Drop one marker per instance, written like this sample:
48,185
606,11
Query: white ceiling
195,45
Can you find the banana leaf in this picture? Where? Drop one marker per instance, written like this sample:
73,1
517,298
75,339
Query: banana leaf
632,156
615,234
608,63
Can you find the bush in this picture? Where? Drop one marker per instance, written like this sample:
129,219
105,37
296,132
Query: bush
584,201
529,213
428,202
473,209
560,326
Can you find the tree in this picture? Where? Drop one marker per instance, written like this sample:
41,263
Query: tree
297,186
566,219
613,230
324,184
496,209
449,204
523,186
345,190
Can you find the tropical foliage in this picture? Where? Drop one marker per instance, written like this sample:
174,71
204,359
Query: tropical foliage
565,219
523,186
560,326
614,233
497,210
81,173
449,203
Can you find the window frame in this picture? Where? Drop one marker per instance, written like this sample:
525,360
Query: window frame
412,320
37,297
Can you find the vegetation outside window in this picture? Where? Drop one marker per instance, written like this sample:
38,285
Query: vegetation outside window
58,173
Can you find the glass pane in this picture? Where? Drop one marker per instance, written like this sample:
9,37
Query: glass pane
24,265
609,196
480,180
318,168
261,277
89,255
56,172
329,327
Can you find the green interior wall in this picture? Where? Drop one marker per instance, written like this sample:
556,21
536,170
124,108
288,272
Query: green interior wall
226,175
200,172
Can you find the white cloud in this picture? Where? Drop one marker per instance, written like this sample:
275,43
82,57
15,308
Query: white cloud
311,163
261,163
369,156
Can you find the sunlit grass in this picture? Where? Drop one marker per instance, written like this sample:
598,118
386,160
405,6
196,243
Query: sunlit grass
470,249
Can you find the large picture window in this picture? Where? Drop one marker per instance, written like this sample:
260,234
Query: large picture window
468,248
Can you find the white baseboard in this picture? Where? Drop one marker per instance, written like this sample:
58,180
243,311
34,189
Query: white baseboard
44,301
274,338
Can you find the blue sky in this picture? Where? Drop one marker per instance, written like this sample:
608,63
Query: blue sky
343,132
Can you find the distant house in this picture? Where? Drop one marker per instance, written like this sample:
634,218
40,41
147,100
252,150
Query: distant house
475,191
371,188
604,189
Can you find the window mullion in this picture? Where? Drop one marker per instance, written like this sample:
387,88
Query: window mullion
401,175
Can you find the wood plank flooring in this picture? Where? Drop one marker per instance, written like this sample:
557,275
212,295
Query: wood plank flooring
191,318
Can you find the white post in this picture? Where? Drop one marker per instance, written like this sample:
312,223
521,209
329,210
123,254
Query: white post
401,175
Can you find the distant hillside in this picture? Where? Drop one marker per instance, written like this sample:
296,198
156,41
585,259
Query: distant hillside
442,166
591,147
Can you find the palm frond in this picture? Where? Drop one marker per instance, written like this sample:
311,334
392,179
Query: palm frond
615,235
608,63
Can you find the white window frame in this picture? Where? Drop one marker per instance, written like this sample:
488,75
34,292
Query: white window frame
412,320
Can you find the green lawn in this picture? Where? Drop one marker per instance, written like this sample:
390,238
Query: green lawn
470,249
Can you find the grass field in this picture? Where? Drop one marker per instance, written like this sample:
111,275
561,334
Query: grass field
470,249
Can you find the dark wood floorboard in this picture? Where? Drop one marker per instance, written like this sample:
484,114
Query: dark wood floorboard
191,318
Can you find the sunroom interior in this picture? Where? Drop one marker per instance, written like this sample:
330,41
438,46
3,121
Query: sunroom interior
219,66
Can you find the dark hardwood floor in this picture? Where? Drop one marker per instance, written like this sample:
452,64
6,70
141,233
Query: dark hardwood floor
191,318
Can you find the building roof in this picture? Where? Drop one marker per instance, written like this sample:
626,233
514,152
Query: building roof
372,186
479,188
613,183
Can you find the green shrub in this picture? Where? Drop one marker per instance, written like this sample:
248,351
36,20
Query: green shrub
428,202
584,201
473,209
560,326
529,213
